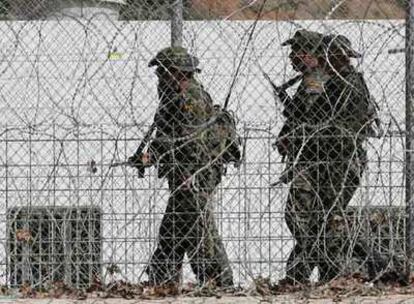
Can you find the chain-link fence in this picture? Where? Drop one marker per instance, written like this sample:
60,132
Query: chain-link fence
297,182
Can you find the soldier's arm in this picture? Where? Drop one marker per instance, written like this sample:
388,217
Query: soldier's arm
227,120
294,107
354,100
372,112
206,95
153,149
164,122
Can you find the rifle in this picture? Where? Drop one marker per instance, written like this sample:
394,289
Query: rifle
280,91
135,159
281,94
119,164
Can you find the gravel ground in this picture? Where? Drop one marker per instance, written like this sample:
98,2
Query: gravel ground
389,299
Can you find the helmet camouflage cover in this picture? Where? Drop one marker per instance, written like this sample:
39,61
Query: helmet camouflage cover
340,44
175,57
308,41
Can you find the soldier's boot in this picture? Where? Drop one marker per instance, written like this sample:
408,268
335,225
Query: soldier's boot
212,273
298,266
212,266
226,277
221,274
161,270
328,273
161,276
390,269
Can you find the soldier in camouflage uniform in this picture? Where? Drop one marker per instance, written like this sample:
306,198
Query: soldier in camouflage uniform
194,140
327,121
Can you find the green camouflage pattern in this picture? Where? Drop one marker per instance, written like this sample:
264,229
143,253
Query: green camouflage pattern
175,57
318,195
339,44
309,41
194,169
326,159
188,226
211,138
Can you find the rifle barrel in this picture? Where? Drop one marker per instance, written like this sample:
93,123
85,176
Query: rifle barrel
119,164
290,82
395,51
285,85
146,139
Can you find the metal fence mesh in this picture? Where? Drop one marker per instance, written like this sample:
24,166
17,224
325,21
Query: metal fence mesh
77,96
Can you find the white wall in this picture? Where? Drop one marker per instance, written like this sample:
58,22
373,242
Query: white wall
90,78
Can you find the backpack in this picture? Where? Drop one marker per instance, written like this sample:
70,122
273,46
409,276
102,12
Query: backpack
374,128
223,140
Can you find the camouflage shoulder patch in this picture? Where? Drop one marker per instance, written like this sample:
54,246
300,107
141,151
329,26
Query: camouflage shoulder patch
195,90
314,87
314,82
196,104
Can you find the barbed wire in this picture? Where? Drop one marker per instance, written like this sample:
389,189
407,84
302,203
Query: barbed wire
77,96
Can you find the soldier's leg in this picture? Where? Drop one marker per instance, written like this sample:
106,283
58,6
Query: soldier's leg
337,190
220,268
166,263
300,220
206,251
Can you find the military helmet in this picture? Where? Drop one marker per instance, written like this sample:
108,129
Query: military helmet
309,41
339,43
175,57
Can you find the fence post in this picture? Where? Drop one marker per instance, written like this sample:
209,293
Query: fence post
177,23
409,137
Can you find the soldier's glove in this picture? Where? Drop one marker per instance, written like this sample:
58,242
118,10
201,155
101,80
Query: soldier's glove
140,162
282,146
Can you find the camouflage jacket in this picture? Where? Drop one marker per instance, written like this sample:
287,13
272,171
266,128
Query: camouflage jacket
197,134
331,122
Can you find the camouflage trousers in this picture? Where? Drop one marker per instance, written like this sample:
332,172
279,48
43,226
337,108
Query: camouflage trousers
188,227
315,215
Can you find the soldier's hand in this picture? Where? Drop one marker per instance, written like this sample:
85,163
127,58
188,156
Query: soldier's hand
135,161
139,160
282,146
380,131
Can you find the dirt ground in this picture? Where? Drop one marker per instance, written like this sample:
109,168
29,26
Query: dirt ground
389,299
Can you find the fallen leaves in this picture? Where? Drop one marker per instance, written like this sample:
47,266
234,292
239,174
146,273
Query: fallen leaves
337,289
